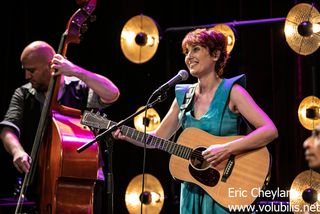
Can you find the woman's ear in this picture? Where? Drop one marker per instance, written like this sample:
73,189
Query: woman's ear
216,55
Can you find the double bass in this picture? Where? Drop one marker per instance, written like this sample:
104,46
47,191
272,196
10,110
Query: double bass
66,178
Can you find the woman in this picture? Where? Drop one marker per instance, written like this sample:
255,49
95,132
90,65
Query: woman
216,107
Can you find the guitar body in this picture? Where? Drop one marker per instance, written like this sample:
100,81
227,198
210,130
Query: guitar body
247,178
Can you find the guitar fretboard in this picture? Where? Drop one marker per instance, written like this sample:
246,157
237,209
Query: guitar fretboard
100,122
159,143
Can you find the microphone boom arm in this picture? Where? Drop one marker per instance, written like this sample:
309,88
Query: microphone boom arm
112,128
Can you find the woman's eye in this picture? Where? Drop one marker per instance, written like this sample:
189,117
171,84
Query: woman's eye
192,50
196,48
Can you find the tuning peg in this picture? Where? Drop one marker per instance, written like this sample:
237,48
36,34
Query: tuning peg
84,28
92,18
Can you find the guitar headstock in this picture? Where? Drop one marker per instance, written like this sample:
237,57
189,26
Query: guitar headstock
95,120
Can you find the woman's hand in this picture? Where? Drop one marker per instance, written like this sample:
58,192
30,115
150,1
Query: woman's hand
215,154
118,135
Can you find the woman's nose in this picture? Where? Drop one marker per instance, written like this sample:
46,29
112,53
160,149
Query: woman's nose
189,55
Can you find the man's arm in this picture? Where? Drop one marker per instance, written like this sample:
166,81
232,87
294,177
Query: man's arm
10,130
21,159
102,86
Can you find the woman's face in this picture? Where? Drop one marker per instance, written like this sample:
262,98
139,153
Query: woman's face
199,61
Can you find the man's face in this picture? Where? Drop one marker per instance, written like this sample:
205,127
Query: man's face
37,71
312,153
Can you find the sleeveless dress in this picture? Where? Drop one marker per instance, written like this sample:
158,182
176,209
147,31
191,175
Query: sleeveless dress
218,121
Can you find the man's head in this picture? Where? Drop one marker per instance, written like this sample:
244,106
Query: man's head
36,59
312,147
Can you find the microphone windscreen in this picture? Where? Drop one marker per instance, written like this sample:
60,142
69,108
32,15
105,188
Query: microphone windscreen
184,74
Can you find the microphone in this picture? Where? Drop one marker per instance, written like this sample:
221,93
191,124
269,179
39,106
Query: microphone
181,76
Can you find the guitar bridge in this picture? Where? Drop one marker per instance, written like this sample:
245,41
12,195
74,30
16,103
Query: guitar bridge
228,169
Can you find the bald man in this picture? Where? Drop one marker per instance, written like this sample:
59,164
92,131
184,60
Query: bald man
80,89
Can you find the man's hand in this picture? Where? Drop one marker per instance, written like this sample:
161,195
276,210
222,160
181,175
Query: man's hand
21,160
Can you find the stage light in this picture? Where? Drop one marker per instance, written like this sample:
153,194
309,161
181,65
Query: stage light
152,198
151,121
229,33
302,27
139,39
308,112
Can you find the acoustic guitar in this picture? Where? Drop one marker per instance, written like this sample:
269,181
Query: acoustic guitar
236,181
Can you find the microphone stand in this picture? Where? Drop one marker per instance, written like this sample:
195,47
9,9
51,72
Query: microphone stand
108,172
107,149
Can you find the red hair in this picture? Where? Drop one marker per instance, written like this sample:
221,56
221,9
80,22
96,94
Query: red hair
211,39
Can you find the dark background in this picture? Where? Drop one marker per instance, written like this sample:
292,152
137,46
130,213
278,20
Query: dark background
277,77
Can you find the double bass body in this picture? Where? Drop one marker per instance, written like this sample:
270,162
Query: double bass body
68,178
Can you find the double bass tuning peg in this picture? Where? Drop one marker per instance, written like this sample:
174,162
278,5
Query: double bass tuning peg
92,18
84,28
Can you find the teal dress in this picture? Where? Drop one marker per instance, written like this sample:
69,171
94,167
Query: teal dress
218,121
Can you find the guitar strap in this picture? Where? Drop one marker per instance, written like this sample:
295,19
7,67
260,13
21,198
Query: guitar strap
185,105
186,102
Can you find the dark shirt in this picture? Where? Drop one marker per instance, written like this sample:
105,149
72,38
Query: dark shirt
26,104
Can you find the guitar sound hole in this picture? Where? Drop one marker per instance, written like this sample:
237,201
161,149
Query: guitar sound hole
197,161
200,169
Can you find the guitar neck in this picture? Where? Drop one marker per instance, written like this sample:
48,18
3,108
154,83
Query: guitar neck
156,142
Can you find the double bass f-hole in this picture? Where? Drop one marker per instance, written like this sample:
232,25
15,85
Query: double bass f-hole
53,178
